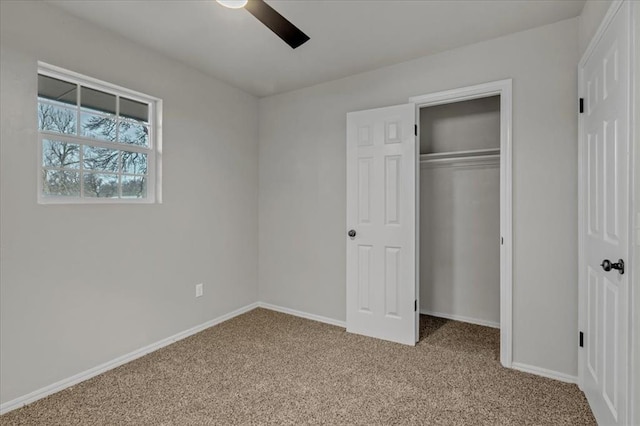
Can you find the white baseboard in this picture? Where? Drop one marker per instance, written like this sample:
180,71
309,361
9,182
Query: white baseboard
92,372
539,371
461,318
301,314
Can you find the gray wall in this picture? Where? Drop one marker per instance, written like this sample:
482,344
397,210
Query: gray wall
460,242
460,213
302,181
460,126
84,284
590,19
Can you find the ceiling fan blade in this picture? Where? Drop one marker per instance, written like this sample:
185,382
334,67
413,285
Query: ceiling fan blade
276,23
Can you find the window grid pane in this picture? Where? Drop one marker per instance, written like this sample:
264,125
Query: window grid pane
58,90
56,154
56,117
61,183
134,110
101,159
98,126
97,101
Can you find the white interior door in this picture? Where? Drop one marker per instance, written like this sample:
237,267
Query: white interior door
381,219
605,231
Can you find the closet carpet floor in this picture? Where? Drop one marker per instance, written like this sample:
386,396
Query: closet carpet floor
265,367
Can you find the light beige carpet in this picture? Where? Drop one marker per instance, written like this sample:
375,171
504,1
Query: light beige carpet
265,367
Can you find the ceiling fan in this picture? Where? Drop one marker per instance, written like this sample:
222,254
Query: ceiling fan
272,19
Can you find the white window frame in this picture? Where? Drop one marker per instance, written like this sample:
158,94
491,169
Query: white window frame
153,151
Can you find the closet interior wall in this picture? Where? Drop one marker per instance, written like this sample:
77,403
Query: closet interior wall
460,210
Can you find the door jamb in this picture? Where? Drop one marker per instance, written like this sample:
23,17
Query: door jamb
634,169
504,89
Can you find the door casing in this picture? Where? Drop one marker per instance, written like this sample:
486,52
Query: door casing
503,88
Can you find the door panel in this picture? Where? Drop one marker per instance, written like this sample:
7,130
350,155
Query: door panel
605,162
592,324
381,203
610,345
364,190
392,281
364,278
593,184
392,189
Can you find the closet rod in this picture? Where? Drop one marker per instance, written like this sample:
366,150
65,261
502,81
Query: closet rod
460,154
477,159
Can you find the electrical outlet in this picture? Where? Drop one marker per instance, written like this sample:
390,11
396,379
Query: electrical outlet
199,289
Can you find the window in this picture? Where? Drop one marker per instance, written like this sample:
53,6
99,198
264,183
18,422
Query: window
97,142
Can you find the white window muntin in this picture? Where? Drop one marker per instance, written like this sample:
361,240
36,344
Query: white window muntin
153,150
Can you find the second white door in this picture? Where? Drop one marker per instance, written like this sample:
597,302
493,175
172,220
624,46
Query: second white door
604,285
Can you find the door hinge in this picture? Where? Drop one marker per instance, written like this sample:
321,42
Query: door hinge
581,339
415,129
415,305
581,105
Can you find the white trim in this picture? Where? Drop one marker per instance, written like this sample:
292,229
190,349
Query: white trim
632,384
156,110
634,217
468,93
550,374
109,365
461,318
417,221
301,314
504,89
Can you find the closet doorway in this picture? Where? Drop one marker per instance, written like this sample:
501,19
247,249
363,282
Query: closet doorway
463,221
460,211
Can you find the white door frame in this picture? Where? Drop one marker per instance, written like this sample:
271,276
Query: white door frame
503,89
633,169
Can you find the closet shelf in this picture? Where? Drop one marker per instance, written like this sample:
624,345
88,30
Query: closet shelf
463,158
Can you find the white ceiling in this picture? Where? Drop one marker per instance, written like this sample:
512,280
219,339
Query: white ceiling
347,36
